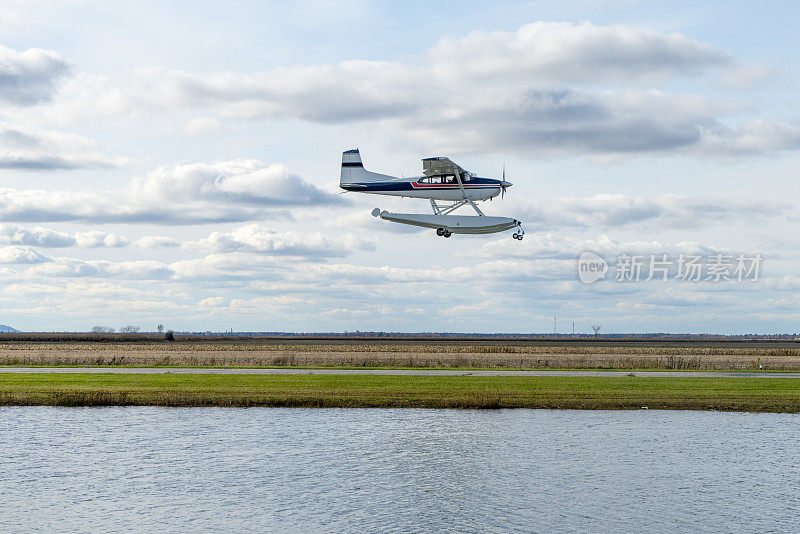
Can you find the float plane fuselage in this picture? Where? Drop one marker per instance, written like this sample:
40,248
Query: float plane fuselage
442,180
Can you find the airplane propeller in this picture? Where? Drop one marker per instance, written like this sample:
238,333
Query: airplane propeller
503,187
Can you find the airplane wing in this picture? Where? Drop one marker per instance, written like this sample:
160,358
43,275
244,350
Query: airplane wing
439,166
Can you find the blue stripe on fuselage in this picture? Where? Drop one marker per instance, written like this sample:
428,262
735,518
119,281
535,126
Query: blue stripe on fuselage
369,187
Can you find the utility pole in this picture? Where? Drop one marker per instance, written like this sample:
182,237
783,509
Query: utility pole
555,324
573,329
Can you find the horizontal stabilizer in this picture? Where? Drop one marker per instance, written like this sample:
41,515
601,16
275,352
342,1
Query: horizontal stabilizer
353,170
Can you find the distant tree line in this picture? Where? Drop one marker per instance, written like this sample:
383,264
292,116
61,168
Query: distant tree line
102,330
99,329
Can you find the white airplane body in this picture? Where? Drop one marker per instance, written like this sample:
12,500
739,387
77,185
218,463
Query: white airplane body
442,180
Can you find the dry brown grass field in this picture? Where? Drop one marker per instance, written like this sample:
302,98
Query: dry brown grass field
144,350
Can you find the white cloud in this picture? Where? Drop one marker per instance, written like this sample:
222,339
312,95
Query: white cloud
752,138
247,182
74,267
232,267
15,254
547,88
213,302
258,239
249,286
561,52
667,210
558,246
30,76
538,55
154,241
99,239
227,191
566,121
28,149
40,236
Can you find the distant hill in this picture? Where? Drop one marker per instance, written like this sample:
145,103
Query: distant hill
5,328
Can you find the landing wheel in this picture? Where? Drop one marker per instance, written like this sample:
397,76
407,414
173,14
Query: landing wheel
446,233
515,236
440,232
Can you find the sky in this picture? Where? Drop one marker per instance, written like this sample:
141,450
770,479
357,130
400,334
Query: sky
177,163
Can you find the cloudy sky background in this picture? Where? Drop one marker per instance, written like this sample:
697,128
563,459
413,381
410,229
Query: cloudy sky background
179,164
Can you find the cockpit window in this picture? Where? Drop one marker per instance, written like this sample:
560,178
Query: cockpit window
444,179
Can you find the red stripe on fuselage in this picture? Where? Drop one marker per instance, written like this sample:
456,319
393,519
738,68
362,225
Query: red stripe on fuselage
417,185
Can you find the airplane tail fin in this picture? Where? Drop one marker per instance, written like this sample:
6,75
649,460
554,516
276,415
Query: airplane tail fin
352,167
353,170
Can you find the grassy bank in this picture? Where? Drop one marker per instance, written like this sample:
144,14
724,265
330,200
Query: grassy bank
763,394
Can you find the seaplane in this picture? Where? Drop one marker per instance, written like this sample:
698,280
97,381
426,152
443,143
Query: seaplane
445,184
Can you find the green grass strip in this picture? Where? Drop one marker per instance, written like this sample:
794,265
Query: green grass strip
739,394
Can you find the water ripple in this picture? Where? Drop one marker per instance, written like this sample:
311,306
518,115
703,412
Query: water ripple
332,470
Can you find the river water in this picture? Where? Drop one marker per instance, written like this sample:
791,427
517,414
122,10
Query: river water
345,470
